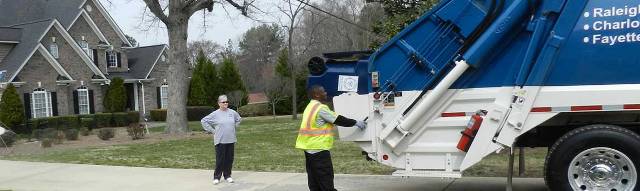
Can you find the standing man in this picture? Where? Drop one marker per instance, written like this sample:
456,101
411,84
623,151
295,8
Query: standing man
316,138
222,123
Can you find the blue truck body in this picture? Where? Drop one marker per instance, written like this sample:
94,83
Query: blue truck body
549,43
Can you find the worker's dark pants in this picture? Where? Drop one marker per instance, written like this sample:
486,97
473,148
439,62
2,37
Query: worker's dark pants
224,160
319,171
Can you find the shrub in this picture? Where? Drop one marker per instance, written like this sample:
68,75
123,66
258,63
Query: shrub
84,131
158,114
40,123
113,100
120,119
88,123
11,108
59,137
254,110
103,120
136,131
71,134
69,122
53,122
8,138
46,142
106,133
134,116
41,134
196,113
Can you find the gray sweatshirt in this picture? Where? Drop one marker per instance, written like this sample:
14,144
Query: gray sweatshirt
222,124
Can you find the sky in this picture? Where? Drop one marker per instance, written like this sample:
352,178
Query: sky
220,26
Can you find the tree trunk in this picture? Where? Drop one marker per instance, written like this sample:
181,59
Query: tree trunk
177,77
273,108
294,97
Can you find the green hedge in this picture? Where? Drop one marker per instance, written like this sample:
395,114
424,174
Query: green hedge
103,120
260,109
133,116
120,119
196,113
158,114
90,121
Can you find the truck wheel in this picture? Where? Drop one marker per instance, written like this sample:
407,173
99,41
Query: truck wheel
594,157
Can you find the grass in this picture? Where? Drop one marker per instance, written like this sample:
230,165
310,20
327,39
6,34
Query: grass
264,144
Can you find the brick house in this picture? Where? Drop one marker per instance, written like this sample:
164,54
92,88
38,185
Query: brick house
61,54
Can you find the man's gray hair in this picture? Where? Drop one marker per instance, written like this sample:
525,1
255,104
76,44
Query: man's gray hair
222,98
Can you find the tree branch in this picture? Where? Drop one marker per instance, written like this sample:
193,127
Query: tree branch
196,5
242,8
156,9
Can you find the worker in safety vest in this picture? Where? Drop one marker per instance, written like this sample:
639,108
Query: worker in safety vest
315,137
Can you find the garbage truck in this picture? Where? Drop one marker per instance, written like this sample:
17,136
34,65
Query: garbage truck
474,77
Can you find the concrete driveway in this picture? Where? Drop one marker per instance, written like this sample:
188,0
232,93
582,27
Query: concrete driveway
19,176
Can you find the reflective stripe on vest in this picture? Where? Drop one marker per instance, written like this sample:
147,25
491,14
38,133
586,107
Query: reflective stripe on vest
315,132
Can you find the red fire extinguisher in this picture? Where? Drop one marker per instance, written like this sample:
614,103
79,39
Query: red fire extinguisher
469,133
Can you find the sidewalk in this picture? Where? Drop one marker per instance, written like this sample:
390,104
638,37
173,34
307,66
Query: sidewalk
23,176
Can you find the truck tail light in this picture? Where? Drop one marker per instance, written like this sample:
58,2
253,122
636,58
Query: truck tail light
375,83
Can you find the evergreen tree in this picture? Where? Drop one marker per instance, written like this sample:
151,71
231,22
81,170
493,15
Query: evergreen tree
282,65
11,108
211,81
230,80
114,100
197,87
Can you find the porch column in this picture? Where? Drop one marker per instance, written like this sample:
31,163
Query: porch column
135,96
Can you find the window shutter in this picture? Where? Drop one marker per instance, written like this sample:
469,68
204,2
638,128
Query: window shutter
106,56
159,98
54,103
27,105
91,107
95,56
119,60
76,106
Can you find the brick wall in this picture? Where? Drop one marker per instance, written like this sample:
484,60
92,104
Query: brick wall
158,73
76,67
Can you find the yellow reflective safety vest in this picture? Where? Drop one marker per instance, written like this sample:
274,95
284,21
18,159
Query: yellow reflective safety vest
311,136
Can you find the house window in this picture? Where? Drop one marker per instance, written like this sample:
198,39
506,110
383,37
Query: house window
112,59
85,48
53,49
164,96
83,100
41,103
163,58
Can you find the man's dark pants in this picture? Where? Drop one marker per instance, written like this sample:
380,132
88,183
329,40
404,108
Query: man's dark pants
224,160
319,171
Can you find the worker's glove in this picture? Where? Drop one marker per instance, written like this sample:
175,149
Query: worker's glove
361,125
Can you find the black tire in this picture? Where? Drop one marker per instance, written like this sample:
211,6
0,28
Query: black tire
582,139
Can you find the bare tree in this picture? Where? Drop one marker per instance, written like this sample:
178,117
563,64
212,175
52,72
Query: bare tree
292,9
212,50
276,92
259,47
175,14
235,97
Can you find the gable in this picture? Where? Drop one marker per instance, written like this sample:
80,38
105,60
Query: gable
38,69
84,27
159,67
106,24
69,58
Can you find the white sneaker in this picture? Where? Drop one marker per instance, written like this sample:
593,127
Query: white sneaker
230,180
216,181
